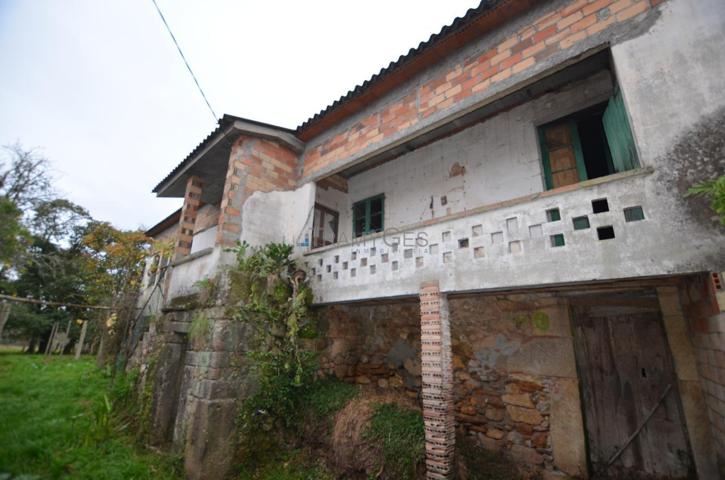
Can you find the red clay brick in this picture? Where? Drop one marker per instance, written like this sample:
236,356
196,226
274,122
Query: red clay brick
630,12
523,65
566,21
544,34
573,7
512,60
595,6
572,39
583,23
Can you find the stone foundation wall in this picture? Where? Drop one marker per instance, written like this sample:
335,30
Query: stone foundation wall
372,343
199,374
515,381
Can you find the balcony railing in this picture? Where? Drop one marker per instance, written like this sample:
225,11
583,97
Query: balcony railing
599,229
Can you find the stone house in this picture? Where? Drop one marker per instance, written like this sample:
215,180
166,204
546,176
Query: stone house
495,223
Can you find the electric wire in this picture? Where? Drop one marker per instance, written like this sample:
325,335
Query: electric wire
168,29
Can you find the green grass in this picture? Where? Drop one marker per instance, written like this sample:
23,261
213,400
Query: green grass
327,397
295,465
401,434
49,417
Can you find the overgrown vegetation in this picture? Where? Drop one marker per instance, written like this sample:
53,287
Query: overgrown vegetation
274,300
200,327
326,397
62,419
713,190
400,433
289,465
477,463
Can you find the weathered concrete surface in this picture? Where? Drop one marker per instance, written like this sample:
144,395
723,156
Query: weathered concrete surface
567,431
516,386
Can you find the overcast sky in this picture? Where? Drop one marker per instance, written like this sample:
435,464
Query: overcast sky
99,88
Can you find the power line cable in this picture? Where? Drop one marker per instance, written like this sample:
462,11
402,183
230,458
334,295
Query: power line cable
168,29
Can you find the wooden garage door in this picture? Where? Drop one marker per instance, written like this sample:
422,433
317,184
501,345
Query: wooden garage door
625,368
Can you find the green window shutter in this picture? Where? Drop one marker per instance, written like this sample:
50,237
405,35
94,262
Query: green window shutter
619,135
367,215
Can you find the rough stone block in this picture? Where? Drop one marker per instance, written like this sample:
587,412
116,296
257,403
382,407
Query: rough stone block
524,415
550,356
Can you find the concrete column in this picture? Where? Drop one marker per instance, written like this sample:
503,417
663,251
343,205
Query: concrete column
436,361
192,202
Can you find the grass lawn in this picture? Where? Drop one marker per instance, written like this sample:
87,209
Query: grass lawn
47,424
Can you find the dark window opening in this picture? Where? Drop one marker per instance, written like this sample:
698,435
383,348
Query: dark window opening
600,206
605,233
368,216
324,231
592,143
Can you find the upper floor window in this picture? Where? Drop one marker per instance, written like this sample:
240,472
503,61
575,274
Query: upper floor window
589,144
367,215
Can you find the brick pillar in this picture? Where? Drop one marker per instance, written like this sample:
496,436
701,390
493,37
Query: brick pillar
438,412
192,201
230,217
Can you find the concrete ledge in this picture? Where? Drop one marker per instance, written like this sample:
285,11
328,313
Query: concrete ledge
193,256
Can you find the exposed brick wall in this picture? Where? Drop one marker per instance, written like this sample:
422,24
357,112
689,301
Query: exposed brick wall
550,34
438,413
707,324
192,200
207,217
254,165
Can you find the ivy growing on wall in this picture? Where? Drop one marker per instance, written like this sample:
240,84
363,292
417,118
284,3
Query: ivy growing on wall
273,298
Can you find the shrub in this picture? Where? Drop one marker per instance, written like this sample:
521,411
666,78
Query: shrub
400,433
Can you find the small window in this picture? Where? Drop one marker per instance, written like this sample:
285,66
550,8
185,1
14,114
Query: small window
557,240
605,233
592,143
600,206
633,214
553,215
367,216
581,223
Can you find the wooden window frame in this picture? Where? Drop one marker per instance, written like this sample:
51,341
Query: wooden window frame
328,211
570,120
578,152
368,215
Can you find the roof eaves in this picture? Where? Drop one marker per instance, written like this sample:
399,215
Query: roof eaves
458,24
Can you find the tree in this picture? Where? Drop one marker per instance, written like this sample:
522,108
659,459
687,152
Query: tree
12,232
24,177
114,261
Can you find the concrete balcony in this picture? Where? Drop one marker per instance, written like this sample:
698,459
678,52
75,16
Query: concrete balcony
553,237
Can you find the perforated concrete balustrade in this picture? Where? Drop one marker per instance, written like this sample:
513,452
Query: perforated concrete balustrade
593,233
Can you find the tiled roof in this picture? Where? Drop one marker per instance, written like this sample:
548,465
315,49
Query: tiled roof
458,25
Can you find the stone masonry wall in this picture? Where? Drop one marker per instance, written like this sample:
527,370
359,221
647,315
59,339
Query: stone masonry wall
197,381
373,344
515,381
